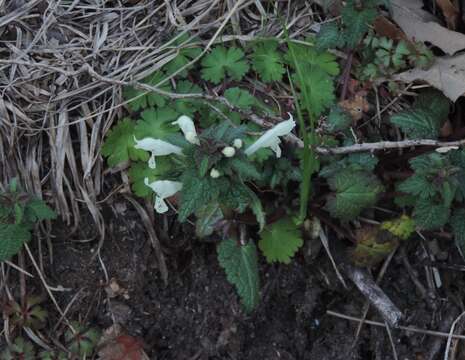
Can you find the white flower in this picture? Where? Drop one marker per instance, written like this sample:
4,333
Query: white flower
237,143
214,173
188,128
163,189
229,151
157,147
271,137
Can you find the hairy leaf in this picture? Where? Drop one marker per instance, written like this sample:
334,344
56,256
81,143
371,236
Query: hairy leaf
426,117
280,240
429,215
12,239
357,21
221,62
119,144
355,190
140,170
330,36
241,266
207,218
338,119
187,106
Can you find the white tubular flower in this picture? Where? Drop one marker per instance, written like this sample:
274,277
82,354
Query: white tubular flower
214,173
157,147
229,151
163,189
188,129
271,137
237,143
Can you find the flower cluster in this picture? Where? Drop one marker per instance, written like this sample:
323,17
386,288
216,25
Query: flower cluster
164,189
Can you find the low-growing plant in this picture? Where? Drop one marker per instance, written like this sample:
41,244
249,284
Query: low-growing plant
31,314
81,340
20,349
19,212
206,161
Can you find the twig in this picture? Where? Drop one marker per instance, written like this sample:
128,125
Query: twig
378,299
405,328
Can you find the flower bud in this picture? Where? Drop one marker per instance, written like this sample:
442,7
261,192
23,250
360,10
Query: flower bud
214,173
229,151
237,143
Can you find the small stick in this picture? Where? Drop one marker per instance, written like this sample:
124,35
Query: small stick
378,299
405,328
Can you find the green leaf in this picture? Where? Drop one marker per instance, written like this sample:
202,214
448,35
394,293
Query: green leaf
425,118
140,170
429,215
311,59
419,186
38,210
83,341
357,22
457,222
338,119
197,192
355,190
119,144
221,62
187,106
240,98
241,266
319,88
156,124
146,99
12,239
185,53
330,36
267,61
207,217
280,240
244,168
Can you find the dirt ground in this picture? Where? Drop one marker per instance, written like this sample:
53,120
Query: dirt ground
196,315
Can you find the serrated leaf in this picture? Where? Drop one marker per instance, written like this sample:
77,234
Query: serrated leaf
156,124
267,61
319,90
119,144
38,210
146,99
357,22
241,266
197,192
429,215
457,222
239,97
140,170
330,36
187,106
280,240
425,119
419,186
185,54
207,217
12,239
221,62
354,192
244,168
311,59
338,119
402,227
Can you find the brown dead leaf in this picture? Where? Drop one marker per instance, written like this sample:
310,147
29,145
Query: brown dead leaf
116,345
385,27
450,12
447,74
356,106
419,25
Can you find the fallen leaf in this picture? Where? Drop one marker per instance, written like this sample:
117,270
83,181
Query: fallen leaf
385,27
116,345
450,12
447,74
420,25
356,106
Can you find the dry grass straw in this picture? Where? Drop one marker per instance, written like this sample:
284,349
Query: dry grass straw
54,114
